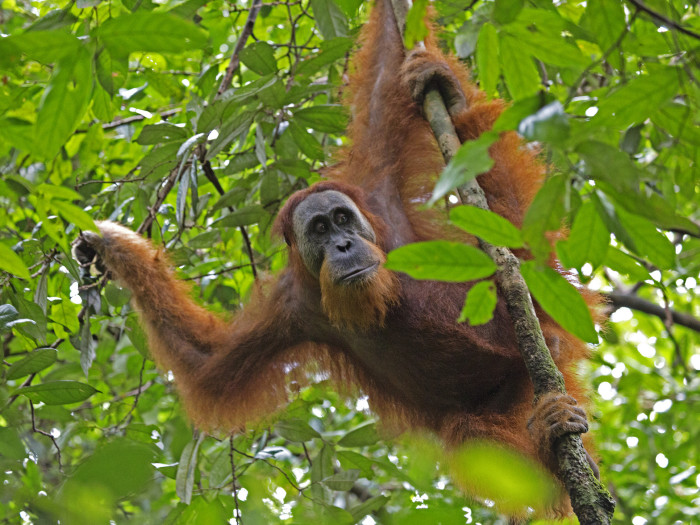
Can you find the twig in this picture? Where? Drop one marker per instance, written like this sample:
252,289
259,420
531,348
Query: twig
628,300
589,499
162,194
663,19
234,481
235,59
44,433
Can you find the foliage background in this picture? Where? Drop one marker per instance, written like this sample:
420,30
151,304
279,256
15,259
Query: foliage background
110,109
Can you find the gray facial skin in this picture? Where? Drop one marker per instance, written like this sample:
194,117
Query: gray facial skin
329,227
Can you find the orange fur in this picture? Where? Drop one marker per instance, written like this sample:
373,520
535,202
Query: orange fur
362,305
396,338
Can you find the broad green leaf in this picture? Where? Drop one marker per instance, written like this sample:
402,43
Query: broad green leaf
259,57
368,507
12,263
74,215
479,304
511,480
342,481
328,118
487,59
648,241
621,178
441,261
545,214
510,118
519,71
560,299
34,362
184,479
296,430
116,470
487,225
549,124
321,468
295,167
111,70
230,198
622,263
365,434
589,239
46,46
162,132
308,144
150,31
330,18
57,392
505,11
64,103
471,159
330,51
59,192
605,22
232,130
242,217
8,313
11,446
415,30
630,103
546,45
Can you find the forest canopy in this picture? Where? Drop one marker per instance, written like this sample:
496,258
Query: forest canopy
192,121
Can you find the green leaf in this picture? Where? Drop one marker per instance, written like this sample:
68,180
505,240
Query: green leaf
58,392
331,21
486,225
480,304
510,119
630,103
11,446
549,124
46,46
588,241
363,435
512,480
342,481
487,59
8,313
648,241
545,214
471,159
242,217
64,103
11,262
308,144
415,30
519,71
330,51
74,215
546,45
605,22
622,263
505,11
150,31
34,362
296,430
367,507
560,299
161,133
184,479
441,261
324,118
259,57
111,70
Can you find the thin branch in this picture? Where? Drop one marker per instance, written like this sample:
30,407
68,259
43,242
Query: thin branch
663,19
589,499
44,433
235,59
628,300
162,194
234,481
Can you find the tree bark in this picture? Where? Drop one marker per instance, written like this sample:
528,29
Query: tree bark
589,498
